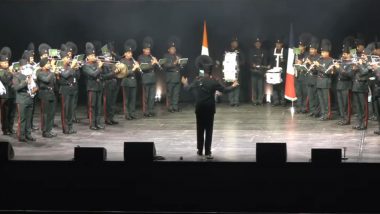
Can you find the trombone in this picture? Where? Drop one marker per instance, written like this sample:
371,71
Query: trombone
106,60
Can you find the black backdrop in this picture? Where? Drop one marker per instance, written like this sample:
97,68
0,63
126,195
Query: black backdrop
58,21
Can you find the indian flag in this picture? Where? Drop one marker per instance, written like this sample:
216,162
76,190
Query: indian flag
205,41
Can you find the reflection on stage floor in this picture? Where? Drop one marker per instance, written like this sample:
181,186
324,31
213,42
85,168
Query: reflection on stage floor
236,131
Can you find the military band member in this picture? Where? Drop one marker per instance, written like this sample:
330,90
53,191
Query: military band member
46,81
280,55
28,56
258,63
372,80
233,96
301,76
72,51
111,88
325,69
7,100
93,69
43,50
360,75
312,78
148,77
360,47
344,85
68,81
172,70
129,83
376,92
26,89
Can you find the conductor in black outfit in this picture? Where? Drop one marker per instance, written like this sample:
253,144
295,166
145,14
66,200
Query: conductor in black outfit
204,88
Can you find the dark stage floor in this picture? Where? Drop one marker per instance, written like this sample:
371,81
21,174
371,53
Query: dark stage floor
236,131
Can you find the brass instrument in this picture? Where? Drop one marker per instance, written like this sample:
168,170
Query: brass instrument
28,71
312,63
106,60
136,63
121,70
154,58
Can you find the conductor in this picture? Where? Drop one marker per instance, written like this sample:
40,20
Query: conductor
204,88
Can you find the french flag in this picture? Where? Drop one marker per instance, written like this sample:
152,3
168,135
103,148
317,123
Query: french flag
290,91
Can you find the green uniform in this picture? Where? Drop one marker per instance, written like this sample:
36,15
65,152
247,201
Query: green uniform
24,102
7,103
301,86
343,88
376,94
110,92
360,76
68,82
46,81
311,87
173,82
149,85
258,61
323,86
94,92
129,86
35,101
76,92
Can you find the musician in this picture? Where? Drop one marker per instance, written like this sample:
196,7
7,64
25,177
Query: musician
323,85
46,81
111,88
312,78
278,59
360,47
301,77
43,50
68,81
148,77
204,89
93,69
72,51
22,84
28,55
258,62
234,49
31,48
7,100
372,80
172,70
129,83
344,85
360,76
376,92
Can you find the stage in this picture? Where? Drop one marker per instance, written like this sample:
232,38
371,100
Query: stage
236,131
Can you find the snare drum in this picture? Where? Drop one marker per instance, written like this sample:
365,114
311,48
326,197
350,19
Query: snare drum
273,76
